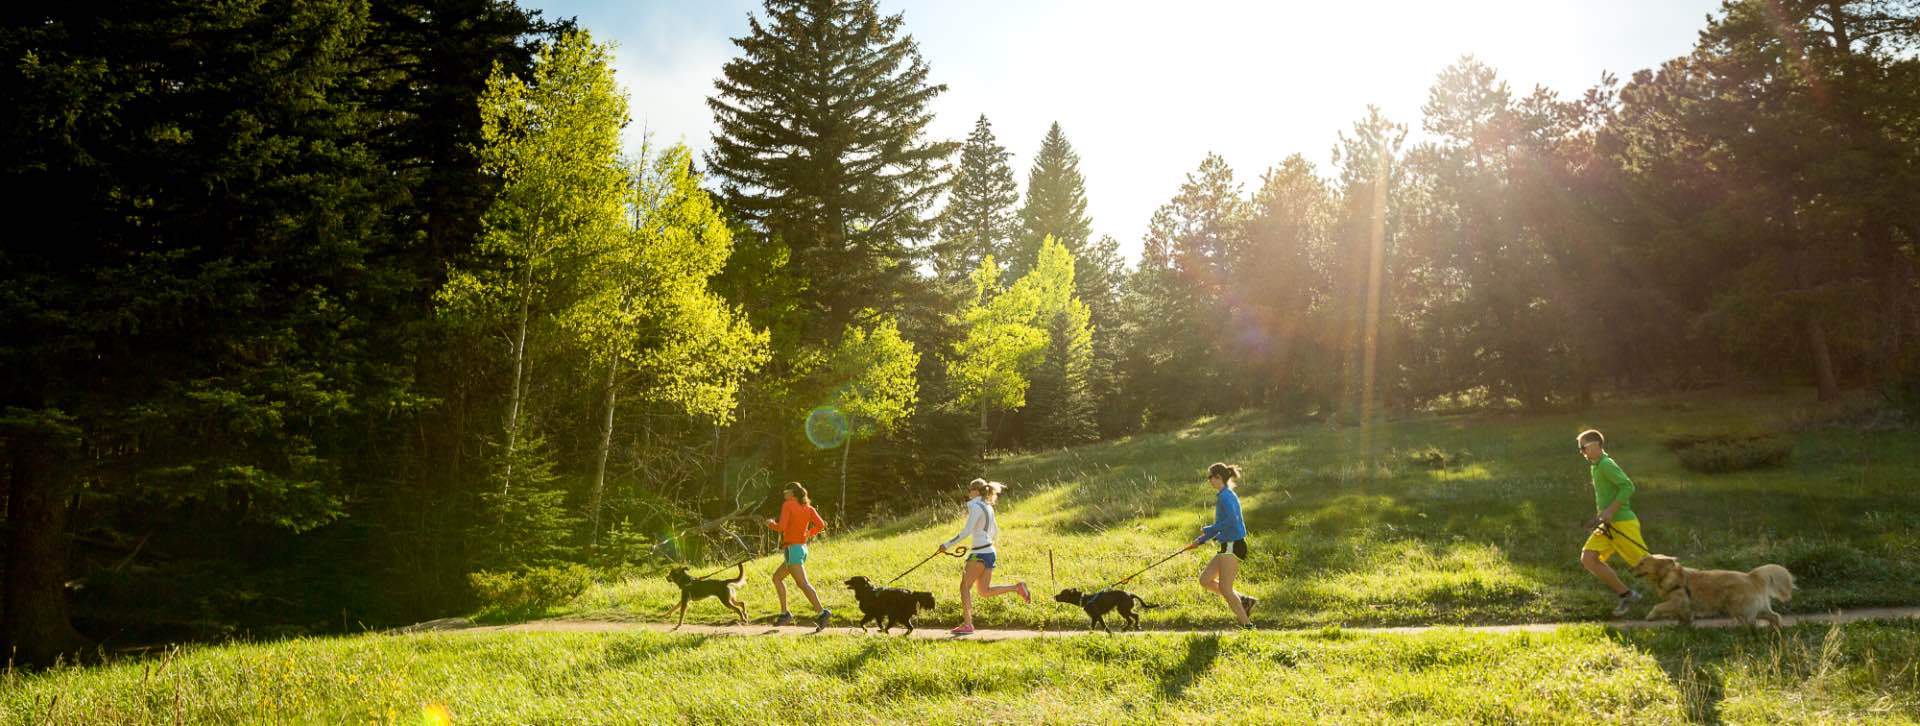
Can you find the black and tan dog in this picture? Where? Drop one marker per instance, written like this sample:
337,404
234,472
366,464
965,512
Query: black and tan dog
888,606
726,591
1100,603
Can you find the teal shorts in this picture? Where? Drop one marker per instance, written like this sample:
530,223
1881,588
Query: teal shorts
797,554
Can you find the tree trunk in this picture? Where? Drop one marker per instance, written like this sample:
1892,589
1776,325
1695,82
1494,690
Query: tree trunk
35,626
609,397
513,400
1822,361
846,447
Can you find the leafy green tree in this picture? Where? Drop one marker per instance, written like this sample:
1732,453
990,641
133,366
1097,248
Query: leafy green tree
554,140
648,318
979,218
874,369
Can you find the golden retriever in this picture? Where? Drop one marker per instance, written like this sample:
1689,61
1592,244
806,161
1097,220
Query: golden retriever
1747,596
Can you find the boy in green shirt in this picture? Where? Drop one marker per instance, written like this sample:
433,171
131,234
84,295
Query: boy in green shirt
1616,527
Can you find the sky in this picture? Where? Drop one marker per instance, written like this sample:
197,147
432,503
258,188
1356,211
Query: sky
1144,91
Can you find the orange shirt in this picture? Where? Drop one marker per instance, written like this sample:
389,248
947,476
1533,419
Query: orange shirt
798,523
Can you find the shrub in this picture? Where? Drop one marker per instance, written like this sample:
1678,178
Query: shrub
1715,456
534,588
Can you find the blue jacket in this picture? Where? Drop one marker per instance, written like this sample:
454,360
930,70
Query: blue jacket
1227,525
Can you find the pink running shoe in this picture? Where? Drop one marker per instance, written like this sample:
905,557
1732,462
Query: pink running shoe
962,630
1021,587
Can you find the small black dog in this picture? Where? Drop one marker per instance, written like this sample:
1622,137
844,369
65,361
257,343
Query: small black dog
888,606
724,590
1100,603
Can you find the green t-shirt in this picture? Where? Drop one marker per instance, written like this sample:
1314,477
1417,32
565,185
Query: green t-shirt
1610,484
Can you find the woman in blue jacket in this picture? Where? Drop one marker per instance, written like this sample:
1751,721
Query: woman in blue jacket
1231,532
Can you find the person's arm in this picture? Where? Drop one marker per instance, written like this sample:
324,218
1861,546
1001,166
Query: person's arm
1212,530
974,519
815,525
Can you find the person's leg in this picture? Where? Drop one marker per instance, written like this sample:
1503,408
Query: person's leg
972,572
1230,569
780,585
1210,575
985,583
799,574
1595,564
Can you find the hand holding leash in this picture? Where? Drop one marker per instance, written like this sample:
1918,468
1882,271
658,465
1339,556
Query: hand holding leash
938,550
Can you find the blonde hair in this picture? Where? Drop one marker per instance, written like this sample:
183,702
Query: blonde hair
980,487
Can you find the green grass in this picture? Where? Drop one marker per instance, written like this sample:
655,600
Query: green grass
1341,541
1586,674
1455,520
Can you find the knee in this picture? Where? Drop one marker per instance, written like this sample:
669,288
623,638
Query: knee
1589,558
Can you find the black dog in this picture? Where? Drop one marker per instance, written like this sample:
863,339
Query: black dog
1100,603
888,606
724,590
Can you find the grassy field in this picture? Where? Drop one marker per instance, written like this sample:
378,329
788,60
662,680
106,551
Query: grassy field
1340,541
1586,674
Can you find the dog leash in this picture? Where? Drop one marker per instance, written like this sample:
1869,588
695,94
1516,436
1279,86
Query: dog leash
1124,580
729,567
1607,530
958,551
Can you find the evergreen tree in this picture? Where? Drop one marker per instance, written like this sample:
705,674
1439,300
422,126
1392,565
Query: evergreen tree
1177,363
1287,224
1060,409
978,220
821,149
186,327
1056,207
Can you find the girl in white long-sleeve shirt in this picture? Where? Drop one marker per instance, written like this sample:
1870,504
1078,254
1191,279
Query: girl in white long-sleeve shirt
982,527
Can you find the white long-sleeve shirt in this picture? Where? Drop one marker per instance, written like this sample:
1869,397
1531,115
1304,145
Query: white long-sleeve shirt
980,524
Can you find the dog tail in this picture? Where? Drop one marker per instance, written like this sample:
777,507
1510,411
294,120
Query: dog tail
1777,581
1143,603
740,574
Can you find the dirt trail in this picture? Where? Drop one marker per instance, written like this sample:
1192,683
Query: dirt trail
931,632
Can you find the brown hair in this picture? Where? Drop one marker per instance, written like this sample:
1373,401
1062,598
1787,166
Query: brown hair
799,493
1226,472
1591,435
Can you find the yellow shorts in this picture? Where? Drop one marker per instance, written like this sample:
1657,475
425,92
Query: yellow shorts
1623,541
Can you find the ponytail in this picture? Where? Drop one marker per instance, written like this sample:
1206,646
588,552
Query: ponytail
1227,473
799,493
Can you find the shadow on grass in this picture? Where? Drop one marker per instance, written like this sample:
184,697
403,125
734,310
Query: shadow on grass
1201,652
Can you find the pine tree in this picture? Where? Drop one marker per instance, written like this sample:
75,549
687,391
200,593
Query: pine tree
821,148
1060,409
1056,207
979,218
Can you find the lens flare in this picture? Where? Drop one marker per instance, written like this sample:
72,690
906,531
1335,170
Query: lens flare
826,427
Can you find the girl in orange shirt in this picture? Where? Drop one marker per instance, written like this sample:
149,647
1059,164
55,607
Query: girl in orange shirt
798,522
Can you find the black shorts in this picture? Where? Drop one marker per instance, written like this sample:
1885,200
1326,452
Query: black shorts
1238,547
